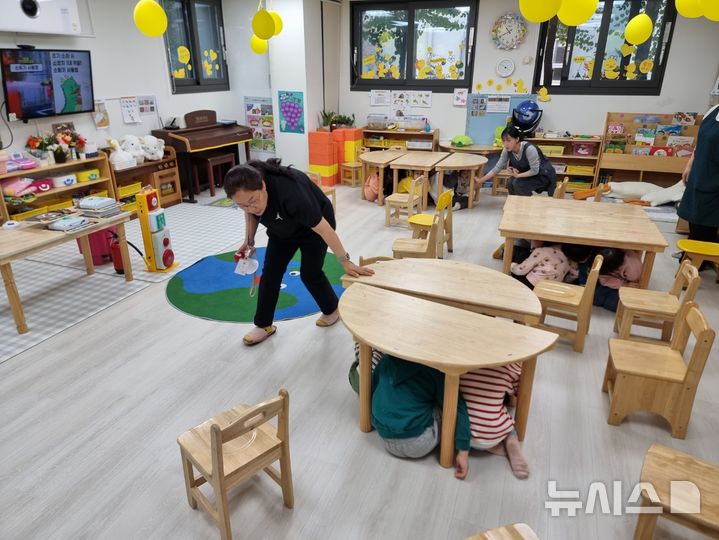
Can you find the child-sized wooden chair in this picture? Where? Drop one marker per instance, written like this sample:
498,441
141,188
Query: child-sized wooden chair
656,309
366,261
685,487
517,531
698,252
561,188
351,170
233,446
410,203
422,223
572,302
327,190
419,248
654,377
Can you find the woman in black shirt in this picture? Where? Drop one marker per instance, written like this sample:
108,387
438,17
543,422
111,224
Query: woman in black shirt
297,215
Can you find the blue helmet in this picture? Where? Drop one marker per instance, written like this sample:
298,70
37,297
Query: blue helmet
526,117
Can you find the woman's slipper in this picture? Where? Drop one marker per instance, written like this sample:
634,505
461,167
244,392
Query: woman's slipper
328,320
258,335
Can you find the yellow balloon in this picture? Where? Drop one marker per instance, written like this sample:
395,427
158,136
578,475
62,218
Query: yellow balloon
689,8
576,12
263,25
710,9
277,20
150,18
258,45
538,11
639,29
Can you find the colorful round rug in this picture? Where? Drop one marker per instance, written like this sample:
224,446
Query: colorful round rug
210,289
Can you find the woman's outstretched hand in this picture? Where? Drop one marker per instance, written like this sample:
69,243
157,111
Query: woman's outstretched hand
351,269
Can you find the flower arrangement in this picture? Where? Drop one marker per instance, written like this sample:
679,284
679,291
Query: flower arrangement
58,143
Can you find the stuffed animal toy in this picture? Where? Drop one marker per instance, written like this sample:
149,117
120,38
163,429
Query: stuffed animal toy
641,193
132,144
153,148
119,158
17,187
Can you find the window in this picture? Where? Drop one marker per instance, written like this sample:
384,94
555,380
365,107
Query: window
195,44
424,44
593,58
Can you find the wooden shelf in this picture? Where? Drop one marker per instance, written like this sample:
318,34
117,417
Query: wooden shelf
400,138
400,131
593,138
591,175
55,191
70,164
630,162
588,158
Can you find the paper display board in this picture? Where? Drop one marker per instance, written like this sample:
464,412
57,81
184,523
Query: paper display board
481,118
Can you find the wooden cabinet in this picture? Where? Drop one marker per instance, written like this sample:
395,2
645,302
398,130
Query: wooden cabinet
575,157
57,197
383,139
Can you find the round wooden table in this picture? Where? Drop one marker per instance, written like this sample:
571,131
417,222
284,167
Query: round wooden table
461,162
452,340
380,159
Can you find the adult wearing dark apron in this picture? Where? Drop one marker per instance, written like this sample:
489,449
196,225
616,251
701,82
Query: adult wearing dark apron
700,203
528,167
297,215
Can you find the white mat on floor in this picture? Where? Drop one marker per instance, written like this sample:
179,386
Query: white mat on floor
197,231
55,298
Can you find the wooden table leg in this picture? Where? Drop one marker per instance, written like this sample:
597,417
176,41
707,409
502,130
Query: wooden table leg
425,190
524,396
87,255
126,263
365,169
449,419
13,298
508,252
440,183
647,266
395,180
365,387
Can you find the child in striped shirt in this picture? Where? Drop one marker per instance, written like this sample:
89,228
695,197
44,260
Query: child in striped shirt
491,425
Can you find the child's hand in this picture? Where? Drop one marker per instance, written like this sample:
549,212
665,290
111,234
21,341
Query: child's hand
462,464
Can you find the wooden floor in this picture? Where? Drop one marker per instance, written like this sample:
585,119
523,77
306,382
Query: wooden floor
89,420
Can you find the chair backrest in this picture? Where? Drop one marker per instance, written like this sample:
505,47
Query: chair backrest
315,177
252,419
365,261
561,189
413,186
691,321
444,200
591,284
432,236
687,276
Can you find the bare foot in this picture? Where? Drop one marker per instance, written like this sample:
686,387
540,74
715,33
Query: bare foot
517,461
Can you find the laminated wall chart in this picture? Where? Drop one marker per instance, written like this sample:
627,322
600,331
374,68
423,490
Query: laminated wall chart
487,111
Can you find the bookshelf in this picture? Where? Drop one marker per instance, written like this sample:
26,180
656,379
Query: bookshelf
576,157
636,146
382,139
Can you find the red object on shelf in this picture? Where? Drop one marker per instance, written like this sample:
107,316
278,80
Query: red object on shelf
100,242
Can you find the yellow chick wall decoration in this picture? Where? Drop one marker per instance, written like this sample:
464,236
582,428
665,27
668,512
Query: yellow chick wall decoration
382,70
438,72
453,74
590,68
394,71
423,70
610,68
543,94
478,86
631,71
646,66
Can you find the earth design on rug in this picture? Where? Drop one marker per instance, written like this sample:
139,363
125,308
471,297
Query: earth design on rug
210,289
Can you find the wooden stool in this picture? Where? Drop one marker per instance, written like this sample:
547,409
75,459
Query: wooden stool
499,182
518,531
686,488
656,378
209,162
698,252
329,191
232,447
351,173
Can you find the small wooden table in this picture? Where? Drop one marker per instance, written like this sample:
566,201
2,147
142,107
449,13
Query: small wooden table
623,226
380,160
416,161
452,340
471,149
458,284
30,238
461,162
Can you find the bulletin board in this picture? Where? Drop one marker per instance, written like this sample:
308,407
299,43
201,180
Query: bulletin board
482,121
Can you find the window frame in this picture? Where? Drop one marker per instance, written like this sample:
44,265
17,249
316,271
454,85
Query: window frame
198,83
358,84
597,86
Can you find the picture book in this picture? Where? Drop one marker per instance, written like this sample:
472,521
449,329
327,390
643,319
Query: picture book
685,118
646,119
661,151
640,150
616,144
615,128
683,150
678,140
669,129
644,137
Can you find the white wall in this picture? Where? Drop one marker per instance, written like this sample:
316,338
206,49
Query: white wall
690,75
127,63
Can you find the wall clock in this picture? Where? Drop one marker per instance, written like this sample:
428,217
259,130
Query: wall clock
509,31
505,67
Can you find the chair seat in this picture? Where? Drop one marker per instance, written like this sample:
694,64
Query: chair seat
214,159
646,301
327,189
352,165
399,198
423,220
518,531
238,452
710,249
557,292
647,360
410,245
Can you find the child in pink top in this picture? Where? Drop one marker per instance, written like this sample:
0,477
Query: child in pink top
548,262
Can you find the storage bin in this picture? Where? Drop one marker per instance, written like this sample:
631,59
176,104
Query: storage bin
129,207
377,121
551,150
30,213
129,189
419,145
560,167
412,122
88,175
58,204
584,148
64,180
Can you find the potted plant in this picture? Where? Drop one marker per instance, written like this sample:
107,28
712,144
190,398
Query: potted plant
341,120
326,120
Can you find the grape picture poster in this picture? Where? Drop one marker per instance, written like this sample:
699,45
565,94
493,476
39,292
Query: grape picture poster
292,111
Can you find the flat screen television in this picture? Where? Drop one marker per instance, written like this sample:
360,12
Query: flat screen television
39,83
